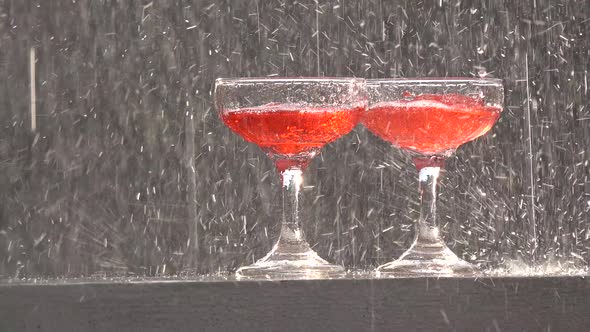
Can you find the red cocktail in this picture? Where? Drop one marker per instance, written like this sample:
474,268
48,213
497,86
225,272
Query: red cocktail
431,124
291,130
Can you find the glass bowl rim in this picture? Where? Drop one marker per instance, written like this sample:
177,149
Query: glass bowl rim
440,80
281,79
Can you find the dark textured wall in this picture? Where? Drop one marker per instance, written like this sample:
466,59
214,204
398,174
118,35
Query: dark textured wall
128,160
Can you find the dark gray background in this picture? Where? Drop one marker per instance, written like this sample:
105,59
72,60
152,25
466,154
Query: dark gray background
129,160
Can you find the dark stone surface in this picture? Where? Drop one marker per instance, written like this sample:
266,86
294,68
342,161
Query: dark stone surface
447,304
128,159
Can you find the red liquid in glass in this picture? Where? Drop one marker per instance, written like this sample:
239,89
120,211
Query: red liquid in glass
431,124
291,130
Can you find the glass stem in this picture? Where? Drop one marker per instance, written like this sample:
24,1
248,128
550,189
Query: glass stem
427,232
291,231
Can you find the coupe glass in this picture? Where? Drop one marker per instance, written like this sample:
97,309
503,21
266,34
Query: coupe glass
430,118
291,119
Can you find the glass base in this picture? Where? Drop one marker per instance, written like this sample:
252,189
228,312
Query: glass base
427,260
291,261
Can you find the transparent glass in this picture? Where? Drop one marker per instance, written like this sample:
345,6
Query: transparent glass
291,119
430,119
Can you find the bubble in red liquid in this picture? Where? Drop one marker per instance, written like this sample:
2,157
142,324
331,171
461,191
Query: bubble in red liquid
407,94
285,164
453,99
432,161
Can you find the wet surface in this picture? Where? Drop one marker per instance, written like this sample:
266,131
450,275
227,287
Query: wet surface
115,162
415,304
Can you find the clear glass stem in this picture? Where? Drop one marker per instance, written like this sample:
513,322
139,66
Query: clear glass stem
291,232
427,228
